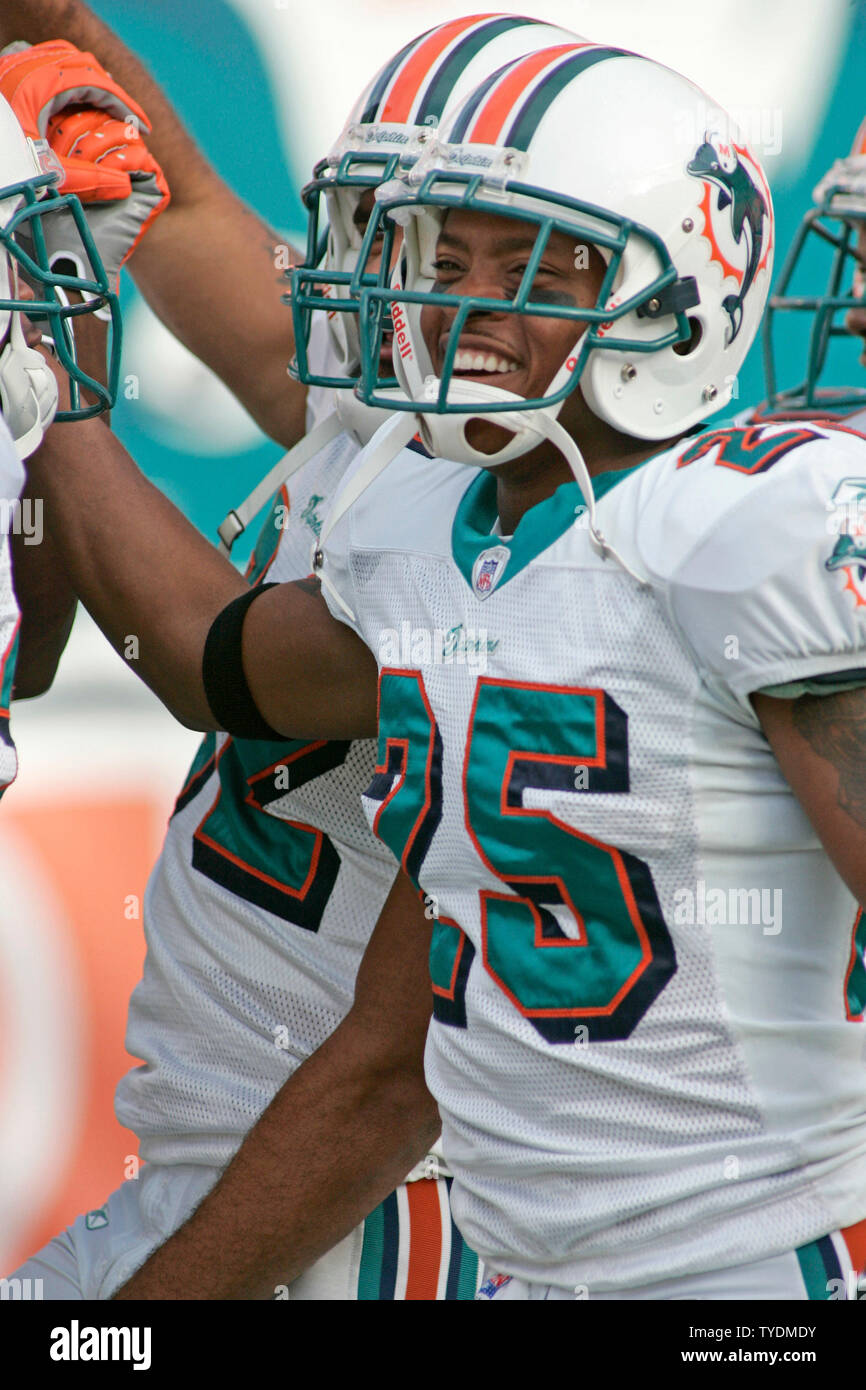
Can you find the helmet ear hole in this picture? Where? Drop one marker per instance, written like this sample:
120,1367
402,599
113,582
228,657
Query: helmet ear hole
697,332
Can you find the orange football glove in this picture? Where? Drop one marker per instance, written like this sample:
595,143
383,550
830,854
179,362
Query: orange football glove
66,97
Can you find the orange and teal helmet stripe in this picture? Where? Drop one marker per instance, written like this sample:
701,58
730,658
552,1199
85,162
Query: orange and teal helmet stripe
415,86
488,113
370,114
505,93
537,104
444,79
405,90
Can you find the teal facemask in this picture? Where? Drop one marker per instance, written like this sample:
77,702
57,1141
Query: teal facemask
828,225
318,288
23,240
384,309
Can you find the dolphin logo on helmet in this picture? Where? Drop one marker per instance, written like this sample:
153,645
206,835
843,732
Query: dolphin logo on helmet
719,164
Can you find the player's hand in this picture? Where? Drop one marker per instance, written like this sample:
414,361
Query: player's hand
94,128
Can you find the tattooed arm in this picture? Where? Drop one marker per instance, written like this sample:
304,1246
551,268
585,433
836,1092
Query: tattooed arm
820,745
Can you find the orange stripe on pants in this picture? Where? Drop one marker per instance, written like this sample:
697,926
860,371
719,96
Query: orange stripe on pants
425,1239
855,1239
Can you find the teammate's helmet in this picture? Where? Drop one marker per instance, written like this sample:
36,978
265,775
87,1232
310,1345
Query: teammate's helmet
28,390
837,214
625,155
390,124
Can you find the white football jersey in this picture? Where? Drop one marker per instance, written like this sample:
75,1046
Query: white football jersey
260,907
11,484
649,1046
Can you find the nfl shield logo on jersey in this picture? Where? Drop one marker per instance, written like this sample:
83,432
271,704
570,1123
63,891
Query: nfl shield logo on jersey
491,1286
489,569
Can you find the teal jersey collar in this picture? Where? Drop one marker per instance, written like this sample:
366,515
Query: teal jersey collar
472,532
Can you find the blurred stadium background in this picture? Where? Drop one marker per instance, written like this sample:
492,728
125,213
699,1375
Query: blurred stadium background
265,85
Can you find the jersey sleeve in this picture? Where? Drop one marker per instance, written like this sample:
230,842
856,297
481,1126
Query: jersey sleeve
336,579
771,593
333,563
375,502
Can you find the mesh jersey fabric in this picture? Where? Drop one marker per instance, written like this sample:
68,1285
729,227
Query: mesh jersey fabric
589,719
242,980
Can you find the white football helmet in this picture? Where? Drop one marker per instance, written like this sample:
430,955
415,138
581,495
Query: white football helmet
389,126
624,154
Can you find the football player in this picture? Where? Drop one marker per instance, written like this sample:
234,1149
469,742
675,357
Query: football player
52,287
687,1146
697,591
625,832
270,880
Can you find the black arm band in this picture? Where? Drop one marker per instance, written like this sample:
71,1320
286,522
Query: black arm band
222,668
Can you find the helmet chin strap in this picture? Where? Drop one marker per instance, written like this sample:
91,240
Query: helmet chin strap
540,426
361,420
28,391
385,446
530,428
396,434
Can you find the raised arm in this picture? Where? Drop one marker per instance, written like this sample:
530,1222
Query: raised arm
207,237
155,586
341,1134
820,745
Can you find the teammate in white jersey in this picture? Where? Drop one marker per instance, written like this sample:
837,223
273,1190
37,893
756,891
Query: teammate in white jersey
270,880
680,599
597,819
41,232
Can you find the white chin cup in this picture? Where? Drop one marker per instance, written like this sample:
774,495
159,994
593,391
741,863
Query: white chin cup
28,391
444,435
362,421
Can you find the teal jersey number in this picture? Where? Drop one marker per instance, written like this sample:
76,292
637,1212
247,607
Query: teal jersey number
408,784
408,776
595,980
603,978
286,867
